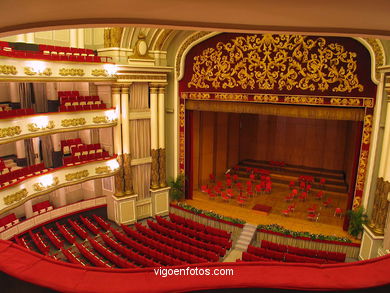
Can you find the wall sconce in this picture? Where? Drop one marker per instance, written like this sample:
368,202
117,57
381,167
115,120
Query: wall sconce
113,164
40,123
45,182
111,115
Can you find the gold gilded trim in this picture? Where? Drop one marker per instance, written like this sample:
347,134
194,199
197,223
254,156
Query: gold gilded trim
33,127
345,101
76,175
8,70
103,170
30,71
73,122
71,72
303,100
15,197
10,131
99,72
367,129
266,99
40,187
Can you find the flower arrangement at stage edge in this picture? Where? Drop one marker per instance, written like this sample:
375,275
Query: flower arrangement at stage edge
211,214
297,234
177,187
357,218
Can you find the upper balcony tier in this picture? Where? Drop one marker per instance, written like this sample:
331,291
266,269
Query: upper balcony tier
26,126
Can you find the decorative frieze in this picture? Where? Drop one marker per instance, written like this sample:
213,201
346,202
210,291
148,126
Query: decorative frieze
15,197
41,186
73,122
34,127
10,131
71,72
76,175
8,70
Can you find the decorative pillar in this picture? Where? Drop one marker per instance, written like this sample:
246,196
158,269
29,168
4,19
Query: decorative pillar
30,38
379,213
116,102
73,37
14,95
80,38
61,197
28,210
386,240
126,139
21,159
161,136
154,136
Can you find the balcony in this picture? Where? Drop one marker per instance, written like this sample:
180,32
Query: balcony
27,126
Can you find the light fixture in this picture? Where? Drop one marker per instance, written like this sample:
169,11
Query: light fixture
37,66
110,68
41,122
46,180
113,164
111,115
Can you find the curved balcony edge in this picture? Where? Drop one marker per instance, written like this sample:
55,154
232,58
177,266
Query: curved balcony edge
17,194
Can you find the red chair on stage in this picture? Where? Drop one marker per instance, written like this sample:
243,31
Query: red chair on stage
322,182
328,202
204,188
291,184
229,183
225,197
294,193
313,217
302,185
338,212
217,190
268,187
288,198
303,196
212,195
308,188
286,212
241,201
212,178
227,176
312,209
239,186
235,178
252,177
230,192
320,195
258,189
291,207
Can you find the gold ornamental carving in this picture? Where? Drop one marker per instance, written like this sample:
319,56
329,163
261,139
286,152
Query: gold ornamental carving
161,163
33,127
304,100
8,70
199,96
103,170
31,72
71,72
102,119
76,175
99,72
231,97
378,53
181,115
118,178
127,174
369,103
10,131
361,170
73,122
15,197
379,211
266,99
367,129
345,101
155,169
40,187
112,37
276,62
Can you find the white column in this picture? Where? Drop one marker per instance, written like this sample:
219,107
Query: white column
116,102
28,211
21,38
161,121
154,118
61,196
73,37
125,119
384,168
20,150
56,141
80,38
51,91
30,38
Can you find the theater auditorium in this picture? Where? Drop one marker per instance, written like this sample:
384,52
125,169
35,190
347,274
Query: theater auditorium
149,153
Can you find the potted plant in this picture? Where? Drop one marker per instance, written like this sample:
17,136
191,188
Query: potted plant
356,220
177,187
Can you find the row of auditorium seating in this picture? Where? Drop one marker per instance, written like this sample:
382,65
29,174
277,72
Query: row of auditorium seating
3,167
66,145
159,253
53,238
5,107
86,149
220,241
78,100
8,221
117,260
39,242
78,229
82,107
157,245
71,257
200,227
209,255
71,160
23,242
332,256
186,239
19,174
70,237
16,112
92,257
91,226
42,207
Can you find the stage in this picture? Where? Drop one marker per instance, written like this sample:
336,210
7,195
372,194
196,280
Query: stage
327,223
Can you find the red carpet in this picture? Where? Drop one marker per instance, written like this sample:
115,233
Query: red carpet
262,208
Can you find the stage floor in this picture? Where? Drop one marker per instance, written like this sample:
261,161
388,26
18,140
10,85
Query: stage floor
327,223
